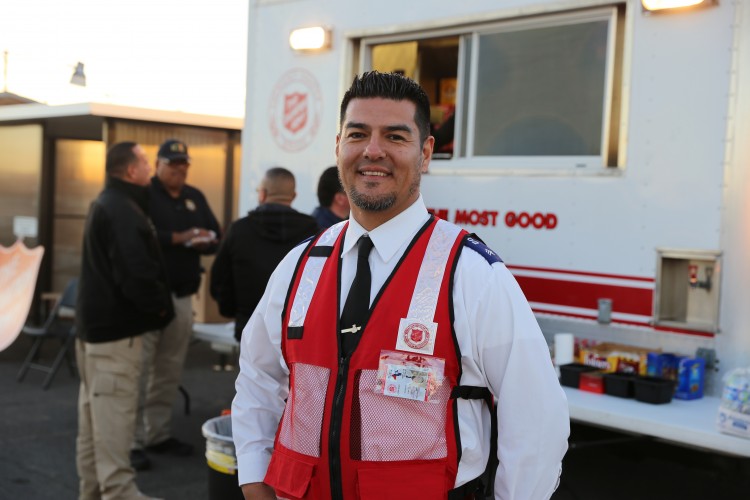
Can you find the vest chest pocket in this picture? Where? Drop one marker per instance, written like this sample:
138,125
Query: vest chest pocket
302,422
387,428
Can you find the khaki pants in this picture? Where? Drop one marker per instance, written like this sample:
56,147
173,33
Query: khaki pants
106,417
164,353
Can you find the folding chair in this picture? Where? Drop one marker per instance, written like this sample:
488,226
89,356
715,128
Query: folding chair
59,325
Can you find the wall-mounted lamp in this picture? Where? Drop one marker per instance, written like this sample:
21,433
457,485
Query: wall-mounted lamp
79,77
659,5
314,38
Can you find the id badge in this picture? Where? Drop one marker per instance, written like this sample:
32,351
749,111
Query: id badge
409,376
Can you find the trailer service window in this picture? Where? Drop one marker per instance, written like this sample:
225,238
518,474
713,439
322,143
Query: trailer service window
521,94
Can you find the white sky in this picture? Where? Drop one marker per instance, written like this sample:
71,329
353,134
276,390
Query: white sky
184,55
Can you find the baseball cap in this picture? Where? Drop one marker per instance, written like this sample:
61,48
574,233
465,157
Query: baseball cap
173,150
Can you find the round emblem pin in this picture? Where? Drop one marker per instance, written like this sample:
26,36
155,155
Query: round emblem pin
190,205
416,335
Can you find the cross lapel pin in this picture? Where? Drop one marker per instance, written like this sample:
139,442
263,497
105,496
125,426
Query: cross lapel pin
353,329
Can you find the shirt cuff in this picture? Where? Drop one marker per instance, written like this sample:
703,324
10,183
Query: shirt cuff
251,468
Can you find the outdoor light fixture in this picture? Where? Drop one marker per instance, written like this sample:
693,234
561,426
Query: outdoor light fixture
658,5
78,78
314,38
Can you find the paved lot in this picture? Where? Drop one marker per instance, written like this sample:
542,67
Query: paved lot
38,431
37,446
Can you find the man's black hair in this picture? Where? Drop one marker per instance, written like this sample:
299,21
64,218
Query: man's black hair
278,173
119,157
328,185
390,86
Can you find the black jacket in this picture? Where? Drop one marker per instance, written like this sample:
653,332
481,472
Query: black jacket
169,215
123,289
253,247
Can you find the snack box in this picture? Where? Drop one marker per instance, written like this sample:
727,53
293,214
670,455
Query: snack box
570,374
654,390
610,358
591,382
662,365
690,378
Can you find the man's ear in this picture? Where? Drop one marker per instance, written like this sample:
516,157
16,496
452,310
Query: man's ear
340,197
429,143
128,174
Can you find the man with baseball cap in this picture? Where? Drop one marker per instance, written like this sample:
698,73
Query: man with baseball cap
186,229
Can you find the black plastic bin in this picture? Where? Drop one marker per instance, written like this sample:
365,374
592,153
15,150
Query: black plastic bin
621,385
654,390
221,459
570,374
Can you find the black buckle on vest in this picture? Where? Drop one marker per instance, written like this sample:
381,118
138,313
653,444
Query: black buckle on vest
321,251
294,332
471,392
474,489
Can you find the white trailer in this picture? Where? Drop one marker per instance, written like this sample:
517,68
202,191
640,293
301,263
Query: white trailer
601,149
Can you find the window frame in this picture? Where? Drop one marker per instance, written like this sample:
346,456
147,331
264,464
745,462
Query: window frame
463,161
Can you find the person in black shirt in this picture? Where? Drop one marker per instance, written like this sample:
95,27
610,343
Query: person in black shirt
255,244
186,228
122,294
334,204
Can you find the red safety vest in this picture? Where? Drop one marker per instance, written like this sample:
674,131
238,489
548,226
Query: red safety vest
338,438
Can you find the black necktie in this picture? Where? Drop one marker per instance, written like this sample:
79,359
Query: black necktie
357,302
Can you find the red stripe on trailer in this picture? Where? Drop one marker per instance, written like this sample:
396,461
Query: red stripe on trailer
626,300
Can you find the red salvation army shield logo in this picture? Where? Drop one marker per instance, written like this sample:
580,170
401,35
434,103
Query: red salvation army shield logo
416,335
295,112
294,109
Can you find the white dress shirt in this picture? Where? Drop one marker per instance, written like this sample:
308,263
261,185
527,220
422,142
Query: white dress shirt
501,345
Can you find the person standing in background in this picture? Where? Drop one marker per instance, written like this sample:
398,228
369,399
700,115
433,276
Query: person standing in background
186,229
122,294
334,204
255,244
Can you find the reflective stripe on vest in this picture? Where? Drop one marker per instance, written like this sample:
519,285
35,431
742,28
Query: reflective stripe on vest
310,277
425,297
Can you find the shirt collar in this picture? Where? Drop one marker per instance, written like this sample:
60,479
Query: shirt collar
389,237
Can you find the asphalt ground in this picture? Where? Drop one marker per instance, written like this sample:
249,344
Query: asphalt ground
39,427
38,432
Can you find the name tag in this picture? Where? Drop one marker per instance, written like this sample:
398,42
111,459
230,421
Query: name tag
408,376
407,382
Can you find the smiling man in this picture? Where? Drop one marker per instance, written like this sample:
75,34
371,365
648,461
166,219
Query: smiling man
370,366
